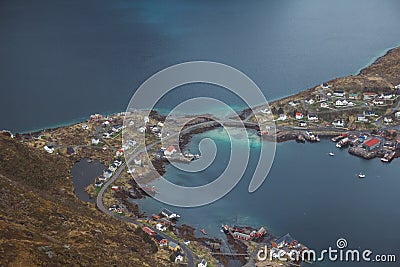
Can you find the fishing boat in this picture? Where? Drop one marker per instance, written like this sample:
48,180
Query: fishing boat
361,175
331,154
203,232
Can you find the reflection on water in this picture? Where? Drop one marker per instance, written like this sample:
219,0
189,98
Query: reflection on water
83,174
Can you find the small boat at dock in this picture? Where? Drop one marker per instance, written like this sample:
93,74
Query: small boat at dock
203,232
388,156
331,154
300,138
361,175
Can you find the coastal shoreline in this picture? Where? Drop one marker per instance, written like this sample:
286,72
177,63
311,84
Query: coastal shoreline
283,133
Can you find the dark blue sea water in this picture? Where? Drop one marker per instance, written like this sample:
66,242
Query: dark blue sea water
63,60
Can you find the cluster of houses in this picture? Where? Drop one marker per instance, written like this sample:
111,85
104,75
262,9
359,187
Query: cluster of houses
177,255
113,131
107,173
244,233
165,219
368,146
285,246
156,129
334,99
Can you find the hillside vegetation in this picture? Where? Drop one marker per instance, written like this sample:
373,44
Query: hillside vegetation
43,224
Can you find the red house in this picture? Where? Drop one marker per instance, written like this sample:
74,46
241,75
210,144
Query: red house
148,231
371,144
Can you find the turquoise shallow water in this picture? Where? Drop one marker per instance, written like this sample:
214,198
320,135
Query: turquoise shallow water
316,198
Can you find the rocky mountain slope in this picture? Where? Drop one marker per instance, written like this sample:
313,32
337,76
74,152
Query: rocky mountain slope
43,224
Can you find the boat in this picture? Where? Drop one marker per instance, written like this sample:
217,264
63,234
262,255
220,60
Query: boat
300,138
331,154
361,175
345,141
203,232
388,156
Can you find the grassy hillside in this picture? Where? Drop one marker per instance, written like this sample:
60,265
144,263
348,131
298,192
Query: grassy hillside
43,224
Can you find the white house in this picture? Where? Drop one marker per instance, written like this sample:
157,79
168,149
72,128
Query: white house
85,126
138,161
312,117
107,135
118,162
160,227
397,86
338,93
142,129
350,104
160,124
361,118
387,119
378,102
169,214
282,117
107,173
117,128
95,141
324,105
293,104
338,123
113,167
130,171
397,114
302,124
203,263
154,129
309,101
339,102
178,256
325,86
369,95
387,96
49,149
169,151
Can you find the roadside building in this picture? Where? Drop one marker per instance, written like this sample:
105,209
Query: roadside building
298,115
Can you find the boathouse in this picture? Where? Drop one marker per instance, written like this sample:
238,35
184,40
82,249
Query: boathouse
371,144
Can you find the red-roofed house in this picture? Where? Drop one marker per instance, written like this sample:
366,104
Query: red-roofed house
371,144
298,116
169,151
148,231
119,153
